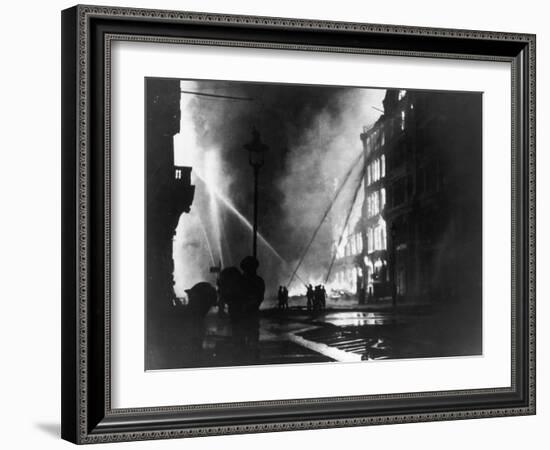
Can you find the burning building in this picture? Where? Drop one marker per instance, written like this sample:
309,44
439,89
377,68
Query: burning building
374,259
348,272
419,225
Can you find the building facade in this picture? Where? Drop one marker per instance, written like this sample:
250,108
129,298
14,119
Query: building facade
348,275
432,145
420,229
169,192
374,261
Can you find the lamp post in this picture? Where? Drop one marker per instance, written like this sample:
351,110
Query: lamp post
256,149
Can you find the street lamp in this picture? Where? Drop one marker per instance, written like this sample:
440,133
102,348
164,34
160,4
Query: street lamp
256,149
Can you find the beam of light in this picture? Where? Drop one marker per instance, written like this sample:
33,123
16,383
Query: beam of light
227,203
325,215
211,165
226,247
351,208
203,229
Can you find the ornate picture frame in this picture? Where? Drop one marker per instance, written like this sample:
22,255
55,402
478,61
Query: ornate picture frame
88,33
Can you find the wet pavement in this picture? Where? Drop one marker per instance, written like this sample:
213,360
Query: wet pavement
341,333
361,335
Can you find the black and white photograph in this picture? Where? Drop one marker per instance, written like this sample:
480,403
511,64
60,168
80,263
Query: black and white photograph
274,222
276,225
292,223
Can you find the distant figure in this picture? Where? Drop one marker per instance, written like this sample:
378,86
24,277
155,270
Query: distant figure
310,295
281,297
285,297
317,298
244,310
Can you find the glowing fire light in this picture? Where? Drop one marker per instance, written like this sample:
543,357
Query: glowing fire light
227,203
211,164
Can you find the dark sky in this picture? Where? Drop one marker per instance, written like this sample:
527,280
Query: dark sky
313,137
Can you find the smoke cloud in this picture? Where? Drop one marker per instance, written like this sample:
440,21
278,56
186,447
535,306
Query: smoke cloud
313,137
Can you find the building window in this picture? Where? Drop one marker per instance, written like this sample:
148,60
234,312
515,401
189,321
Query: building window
374,203
178,174
377,237
341,250
368,206
401,94
370,240
382,198
369,180
376,170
